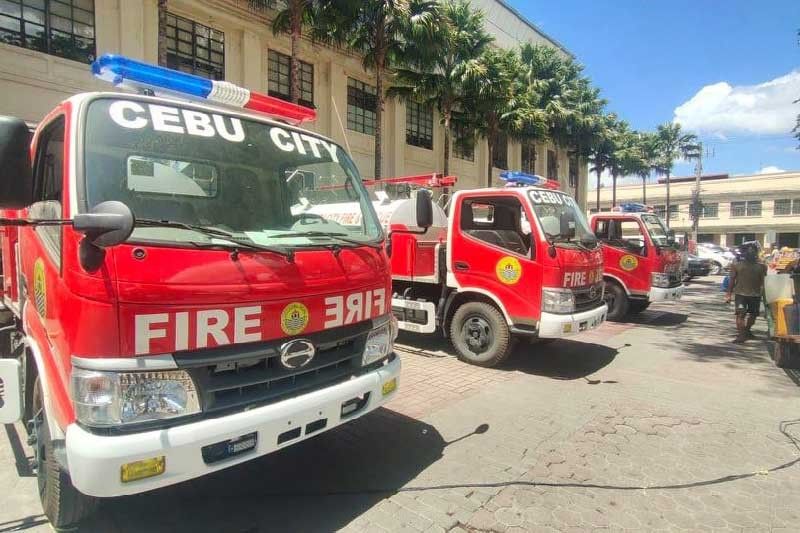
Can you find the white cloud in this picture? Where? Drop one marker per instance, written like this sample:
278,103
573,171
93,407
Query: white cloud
721,109
771,169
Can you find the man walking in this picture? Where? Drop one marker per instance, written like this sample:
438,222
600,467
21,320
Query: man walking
746,281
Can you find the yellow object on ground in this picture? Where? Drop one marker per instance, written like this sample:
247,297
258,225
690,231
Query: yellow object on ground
781,327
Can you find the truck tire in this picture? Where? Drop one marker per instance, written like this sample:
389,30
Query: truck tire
62,503
637,306
480,335
617,300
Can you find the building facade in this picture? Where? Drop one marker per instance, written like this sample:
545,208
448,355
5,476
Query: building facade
763,207
46,46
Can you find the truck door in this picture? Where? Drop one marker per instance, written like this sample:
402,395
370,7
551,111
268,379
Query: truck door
625,251
492,253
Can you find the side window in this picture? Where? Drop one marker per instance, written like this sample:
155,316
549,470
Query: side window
48,176
497,221
622,234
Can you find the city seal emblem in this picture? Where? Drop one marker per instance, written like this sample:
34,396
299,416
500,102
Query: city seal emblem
508,270
628,262
294,318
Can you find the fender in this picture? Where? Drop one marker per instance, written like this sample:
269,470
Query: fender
55,396
615,278
466,290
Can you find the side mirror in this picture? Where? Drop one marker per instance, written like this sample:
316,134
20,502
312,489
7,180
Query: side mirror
424,209
16,179
109,223
567,224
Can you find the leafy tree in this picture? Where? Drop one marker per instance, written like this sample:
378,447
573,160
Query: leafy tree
435,71
623,155
379,30
642,158
672,143
601,152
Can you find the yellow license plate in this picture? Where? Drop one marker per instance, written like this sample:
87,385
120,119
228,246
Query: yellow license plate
390,386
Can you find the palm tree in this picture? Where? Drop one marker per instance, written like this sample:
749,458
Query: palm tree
622,155
380,30
674,144
435,72
497,99
600,153
643,159
162,33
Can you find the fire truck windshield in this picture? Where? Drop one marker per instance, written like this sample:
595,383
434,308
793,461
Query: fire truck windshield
192,168
550,206
656,229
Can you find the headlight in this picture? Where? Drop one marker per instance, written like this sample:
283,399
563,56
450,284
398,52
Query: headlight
659,279
380,342
117,398
558,301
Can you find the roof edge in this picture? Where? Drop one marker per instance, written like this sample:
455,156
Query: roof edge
535,28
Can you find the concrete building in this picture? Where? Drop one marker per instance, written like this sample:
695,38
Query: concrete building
763,207
46,45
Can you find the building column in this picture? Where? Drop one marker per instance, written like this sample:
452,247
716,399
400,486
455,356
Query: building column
723,239
252,62
131,22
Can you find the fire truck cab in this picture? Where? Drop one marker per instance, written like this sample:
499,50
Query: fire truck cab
170,311
642,262
518,261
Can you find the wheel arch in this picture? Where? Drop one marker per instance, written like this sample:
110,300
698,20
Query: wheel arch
615,279
461,296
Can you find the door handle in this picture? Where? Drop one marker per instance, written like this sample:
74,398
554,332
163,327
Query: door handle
461,265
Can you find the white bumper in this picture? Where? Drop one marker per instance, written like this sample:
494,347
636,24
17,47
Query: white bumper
95,461
658,294
553,326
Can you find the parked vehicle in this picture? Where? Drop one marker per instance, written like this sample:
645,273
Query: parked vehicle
720,258
173,312
698,267
641,262
509,262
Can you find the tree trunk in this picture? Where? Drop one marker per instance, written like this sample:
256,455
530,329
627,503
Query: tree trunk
644,190
297,28
447,116
162,33
613,189
489,164
598,189
667,208
378,117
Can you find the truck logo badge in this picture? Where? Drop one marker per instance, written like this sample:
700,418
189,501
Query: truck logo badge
297,354
39,288
508,270
592,292
628,262
294,318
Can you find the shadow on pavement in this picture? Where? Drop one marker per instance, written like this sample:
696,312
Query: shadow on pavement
290,490
562,359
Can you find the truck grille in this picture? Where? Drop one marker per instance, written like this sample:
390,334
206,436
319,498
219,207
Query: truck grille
239,376
588,297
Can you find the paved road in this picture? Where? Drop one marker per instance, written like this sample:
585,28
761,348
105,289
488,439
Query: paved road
657,424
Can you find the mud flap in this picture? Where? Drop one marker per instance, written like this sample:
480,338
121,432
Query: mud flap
10,391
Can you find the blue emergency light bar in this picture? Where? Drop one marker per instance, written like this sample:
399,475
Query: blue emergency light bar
633,207
136,75
516,178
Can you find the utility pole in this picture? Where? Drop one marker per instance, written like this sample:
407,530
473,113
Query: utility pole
697,205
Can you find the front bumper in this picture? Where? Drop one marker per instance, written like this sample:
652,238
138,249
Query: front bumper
553,326
95,461
658,294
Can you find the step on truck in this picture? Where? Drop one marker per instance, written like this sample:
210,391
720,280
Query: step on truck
642,261
168,312
507,263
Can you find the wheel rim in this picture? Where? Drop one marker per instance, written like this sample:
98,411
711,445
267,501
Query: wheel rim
610,299
715,269
477,334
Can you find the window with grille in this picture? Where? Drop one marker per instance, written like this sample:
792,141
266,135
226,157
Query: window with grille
552,165
362,102
63,28
279,73
463,143
500,156
529,158
787,207
419,125
661,211
749,208
709,211
195,48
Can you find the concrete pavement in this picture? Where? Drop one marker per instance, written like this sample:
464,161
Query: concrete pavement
656,424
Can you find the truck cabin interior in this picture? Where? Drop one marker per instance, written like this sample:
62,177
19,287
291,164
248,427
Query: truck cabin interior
497,222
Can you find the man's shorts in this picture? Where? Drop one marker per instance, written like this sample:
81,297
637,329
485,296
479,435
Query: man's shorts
749,305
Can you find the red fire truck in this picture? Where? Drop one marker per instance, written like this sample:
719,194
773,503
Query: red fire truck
217,324
642,263
510,262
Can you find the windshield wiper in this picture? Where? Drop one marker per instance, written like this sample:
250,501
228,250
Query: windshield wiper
335,235
235,242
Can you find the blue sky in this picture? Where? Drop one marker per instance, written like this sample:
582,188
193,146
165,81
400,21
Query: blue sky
730,68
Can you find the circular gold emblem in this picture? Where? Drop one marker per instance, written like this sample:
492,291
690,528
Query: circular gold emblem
294,318
628,262
508,270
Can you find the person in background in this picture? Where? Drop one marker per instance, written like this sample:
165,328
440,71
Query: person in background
746,282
